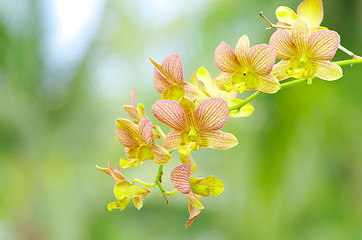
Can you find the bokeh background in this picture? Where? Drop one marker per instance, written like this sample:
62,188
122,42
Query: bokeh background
68,67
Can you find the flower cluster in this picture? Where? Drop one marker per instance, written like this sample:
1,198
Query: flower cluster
198,110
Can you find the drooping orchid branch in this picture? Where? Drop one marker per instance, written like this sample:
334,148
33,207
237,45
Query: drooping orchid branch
196,111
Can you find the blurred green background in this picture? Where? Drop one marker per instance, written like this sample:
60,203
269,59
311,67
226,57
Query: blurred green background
296,173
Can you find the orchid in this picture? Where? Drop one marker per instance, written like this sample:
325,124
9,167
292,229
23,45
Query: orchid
194,188
311,11
207,89
194,127
246,68
139,143
303,54
169,80
123,190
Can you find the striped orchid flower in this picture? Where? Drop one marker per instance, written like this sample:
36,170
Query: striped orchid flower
123,190
304,55
194,127
139,143
246,68
194,188
169,79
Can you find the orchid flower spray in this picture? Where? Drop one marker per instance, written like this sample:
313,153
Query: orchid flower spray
196,111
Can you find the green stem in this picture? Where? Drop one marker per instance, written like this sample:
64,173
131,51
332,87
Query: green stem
159,180
258,93
348,62
246,101
291,83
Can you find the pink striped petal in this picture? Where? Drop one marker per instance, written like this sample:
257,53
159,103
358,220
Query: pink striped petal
223,79
146,131
311,11
217,140
267,83
283,44
327,70
189,109
173,67
180,178
170,113
279,70
225,58
161,155
241,50
172,140
126,139
323,44
286,15
191,91
261,58
128,131
159,81
212,114
300,35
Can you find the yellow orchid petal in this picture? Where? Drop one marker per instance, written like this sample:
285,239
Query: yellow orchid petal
189,161
217,140
123,163
300,34
327,70
280,70
286,15
157,66
145,153
205,186
194,201
173,92
267,83
129,131
189,109
245,111
138,202
118,205
311,11
203,76
161,155
323,44
122,191
222,80
241,50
